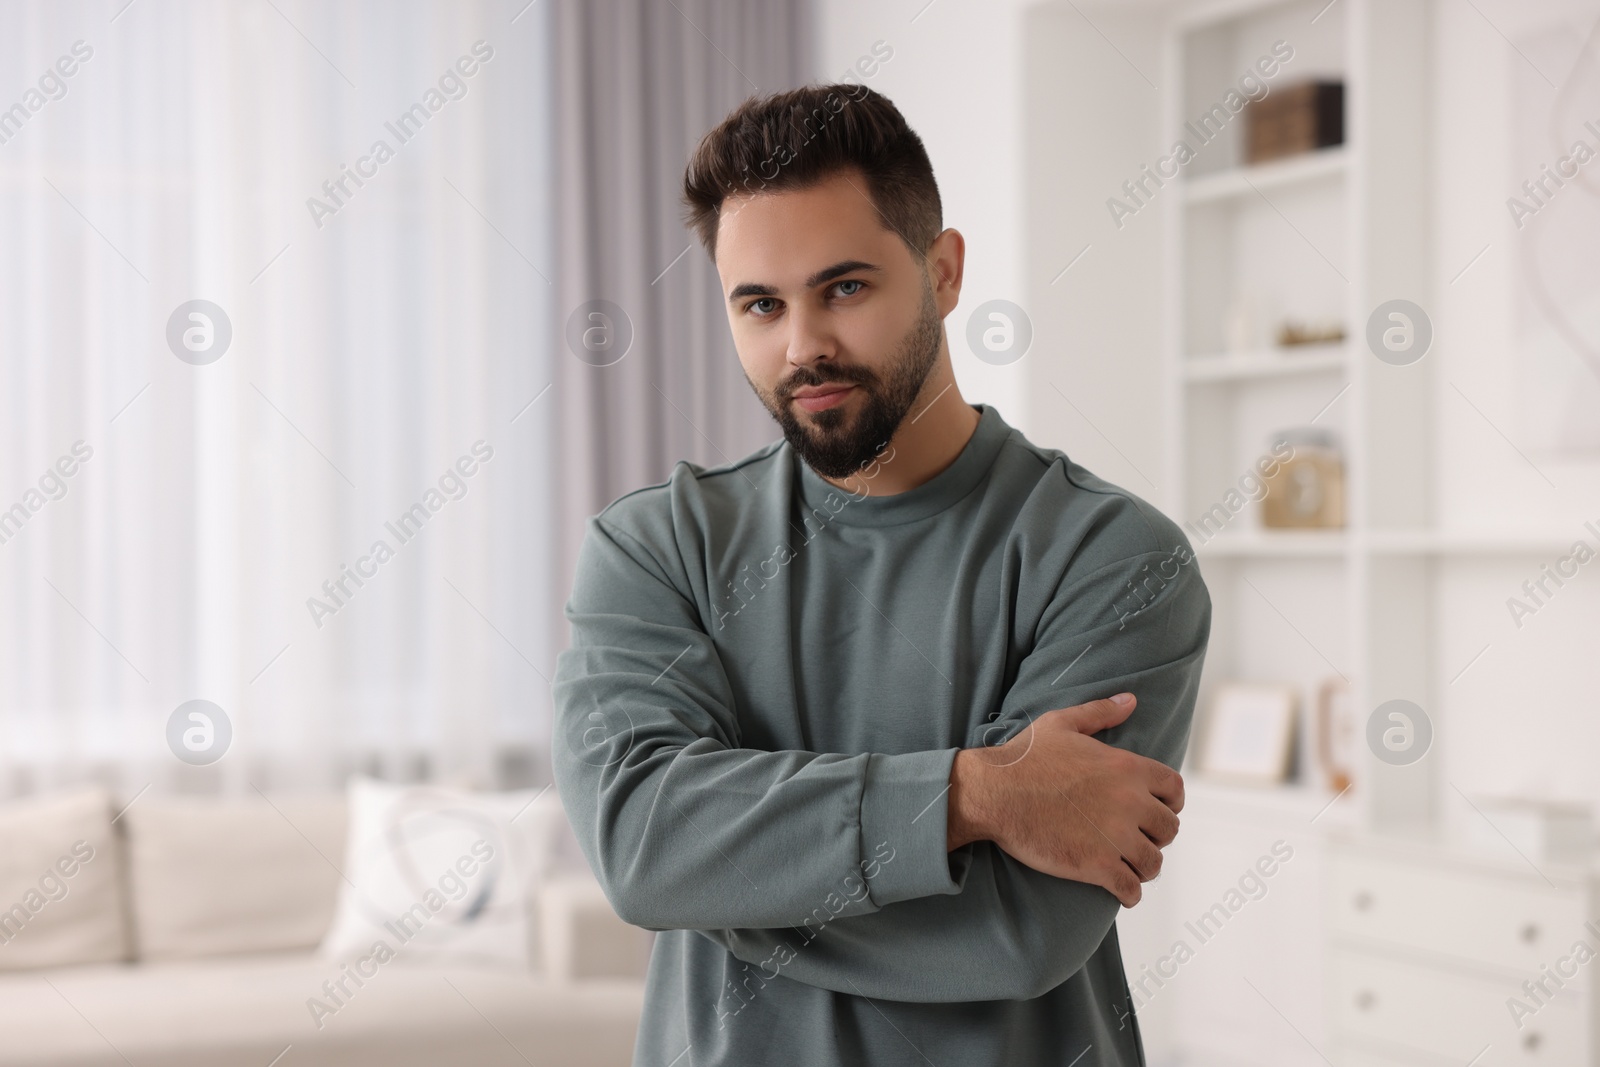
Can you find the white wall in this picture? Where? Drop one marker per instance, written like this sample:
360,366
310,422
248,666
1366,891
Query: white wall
1091,120
973,77
1525,713
956,75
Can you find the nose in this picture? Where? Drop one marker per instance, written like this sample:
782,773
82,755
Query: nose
810,339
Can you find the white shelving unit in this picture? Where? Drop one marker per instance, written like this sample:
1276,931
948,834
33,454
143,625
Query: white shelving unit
1327,235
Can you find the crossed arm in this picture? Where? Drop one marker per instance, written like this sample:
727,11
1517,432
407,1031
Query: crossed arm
838,870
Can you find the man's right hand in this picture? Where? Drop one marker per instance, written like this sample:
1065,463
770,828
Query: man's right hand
1067,805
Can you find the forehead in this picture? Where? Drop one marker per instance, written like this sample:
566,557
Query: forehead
778,238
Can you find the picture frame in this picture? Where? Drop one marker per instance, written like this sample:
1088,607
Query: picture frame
1250,733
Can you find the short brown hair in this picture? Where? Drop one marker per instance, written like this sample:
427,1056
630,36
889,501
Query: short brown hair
794,140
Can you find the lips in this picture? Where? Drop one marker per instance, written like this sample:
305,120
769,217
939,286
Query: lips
821,397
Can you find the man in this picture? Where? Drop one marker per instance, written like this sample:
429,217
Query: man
826,721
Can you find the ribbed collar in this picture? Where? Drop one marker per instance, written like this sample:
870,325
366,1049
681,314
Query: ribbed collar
929,498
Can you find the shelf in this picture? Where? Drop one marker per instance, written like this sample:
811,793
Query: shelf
1299,800
1276,544
1321,165
1267,363
1443,848
1313,544
1435,543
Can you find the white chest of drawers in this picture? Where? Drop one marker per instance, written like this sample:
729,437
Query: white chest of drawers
1439,956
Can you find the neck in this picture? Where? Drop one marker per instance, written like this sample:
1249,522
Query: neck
932,435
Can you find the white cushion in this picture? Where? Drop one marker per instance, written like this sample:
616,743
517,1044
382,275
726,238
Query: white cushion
210,877
439,875
60,896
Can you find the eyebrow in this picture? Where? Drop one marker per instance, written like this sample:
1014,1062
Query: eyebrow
821,277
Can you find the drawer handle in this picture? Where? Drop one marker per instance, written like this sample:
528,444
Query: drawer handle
1365,1000
1532,1041
1363,901
1530,933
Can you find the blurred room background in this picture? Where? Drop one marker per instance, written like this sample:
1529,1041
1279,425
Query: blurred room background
1348,335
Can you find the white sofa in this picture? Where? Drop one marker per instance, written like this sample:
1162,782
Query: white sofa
189,938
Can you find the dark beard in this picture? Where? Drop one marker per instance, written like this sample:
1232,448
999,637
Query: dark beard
831,446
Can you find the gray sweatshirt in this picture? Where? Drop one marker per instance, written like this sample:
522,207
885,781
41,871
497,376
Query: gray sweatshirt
768,681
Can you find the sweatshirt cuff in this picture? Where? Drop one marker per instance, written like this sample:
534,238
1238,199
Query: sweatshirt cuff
903,826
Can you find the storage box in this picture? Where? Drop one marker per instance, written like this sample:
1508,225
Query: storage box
1539,830
1295,119
1307,490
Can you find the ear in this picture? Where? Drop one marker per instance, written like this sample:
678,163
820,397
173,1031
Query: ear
946,262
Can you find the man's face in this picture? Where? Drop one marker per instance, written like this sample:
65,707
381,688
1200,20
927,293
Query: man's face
833,317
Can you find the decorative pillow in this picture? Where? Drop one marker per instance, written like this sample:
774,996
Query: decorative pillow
439,875
60,886
212,876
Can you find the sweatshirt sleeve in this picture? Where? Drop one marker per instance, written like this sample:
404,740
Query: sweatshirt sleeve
686,829
1012,933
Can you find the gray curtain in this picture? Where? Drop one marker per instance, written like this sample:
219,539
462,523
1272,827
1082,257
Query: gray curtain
638,83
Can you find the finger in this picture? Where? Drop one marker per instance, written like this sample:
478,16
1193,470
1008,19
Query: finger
1144,858
1158,823
1099,715
1165,784
1123,884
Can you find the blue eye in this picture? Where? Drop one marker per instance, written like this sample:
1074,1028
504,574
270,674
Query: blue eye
851,281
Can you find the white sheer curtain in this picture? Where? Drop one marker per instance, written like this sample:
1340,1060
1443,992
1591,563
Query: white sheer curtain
375,342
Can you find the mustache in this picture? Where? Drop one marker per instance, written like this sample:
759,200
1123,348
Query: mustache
808,376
